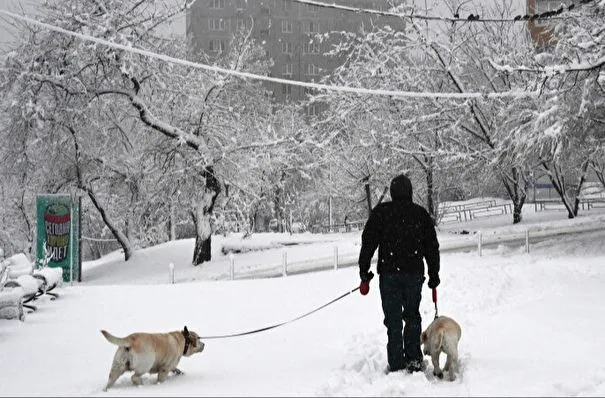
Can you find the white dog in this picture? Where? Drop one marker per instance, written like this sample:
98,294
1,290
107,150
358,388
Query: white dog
151,353
442,335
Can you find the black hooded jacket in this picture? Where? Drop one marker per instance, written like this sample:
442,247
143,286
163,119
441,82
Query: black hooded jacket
404,234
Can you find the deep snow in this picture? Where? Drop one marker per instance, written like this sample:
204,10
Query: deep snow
532,325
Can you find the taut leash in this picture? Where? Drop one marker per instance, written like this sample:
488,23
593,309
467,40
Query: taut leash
279,324
435,301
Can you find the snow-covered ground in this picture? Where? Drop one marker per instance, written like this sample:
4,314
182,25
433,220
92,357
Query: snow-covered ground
308,251
532,323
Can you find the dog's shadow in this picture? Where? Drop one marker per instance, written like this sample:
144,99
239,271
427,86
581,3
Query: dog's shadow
124,382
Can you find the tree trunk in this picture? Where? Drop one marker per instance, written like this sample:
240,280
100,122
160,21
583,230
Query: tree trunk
203,239
201,218
599,170
517,209
558,182
584,168
121,237
23,209
427,164
430,190
515,183
172,222
368,194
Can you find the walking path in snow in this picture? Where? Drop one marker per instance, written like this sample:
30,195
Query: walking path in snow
532,326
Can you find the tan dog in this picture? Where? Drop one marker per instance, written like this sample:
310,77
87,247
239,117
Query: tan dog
151,353
442,335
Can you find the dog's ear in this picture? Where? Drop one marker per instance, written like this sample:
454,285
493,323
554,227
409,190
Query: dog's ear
185,330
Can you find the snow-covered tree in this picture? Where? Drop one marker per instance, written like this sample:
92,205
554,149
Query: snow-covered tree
432,132
562,130
122,118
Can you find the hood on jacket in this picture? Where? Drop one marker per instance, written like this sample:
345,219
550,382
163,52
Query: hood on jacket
401,188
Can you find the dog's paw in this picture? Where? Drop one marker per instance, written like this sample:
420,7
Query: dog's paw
178,372
438,374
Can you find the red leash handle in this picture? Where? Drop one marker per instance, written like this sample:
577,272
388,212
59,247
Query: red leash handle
435,301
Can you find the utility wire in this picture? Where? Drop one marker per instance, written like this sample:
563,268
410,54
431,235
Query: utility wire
552,15
317,86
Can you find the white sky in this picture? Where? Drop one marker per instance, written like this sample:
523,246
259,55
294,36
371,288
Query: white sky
32,7
7,31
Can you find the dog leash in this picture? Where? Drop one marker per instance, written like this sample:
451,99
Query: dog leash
279,324
435,301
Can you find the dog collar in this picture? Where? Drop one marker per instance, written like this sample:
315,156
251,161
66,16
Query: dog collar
187,342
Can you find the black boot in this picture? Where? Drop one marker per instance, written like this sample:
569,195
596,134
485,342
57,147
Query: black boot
416,366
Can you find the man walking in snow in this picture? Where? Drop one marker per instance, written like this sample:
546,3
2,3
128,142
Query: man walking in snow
404,234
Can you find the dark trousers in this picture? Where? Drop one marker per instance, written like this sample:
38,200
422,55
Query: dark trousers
401,294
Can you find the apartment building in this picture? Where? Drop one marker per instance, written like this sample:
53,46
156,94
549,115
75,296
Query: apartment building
286,28
540,30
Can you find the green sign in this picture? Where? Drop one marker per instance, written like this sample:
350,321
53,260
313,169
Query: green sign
58,234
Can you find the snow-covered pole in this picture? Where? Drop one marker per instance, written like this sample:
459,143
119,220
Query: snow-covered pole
527,240
285,263
232,265
171,273
335,257
480,243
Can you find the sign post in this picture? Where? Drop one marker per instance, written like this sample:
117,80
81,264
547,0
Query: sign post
58,232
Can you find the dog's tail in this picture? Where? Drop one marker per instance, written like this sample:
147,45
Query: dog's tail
119,341
440,339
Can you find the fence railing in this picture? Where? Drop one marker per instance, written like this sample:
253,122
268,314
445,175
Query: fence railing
557,204
470,211
349,226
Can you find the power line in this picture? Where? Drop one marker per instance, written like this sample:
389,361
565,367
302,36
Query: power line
552,15
247,75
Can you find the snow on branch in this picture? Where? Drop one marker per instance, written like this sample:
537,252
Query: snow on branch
150,120
552,70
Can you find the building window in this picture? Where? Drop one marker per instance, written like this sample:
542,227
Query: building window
240,4
286,47
311,8
311,27
312,110
240,23
286,89
287,70
312,70
542,6
287,4
215,45
216,24
217,4
286,26
311,48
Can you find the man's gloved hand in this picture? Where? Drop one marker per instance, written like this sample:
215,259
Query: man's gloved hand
364,286
434,281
